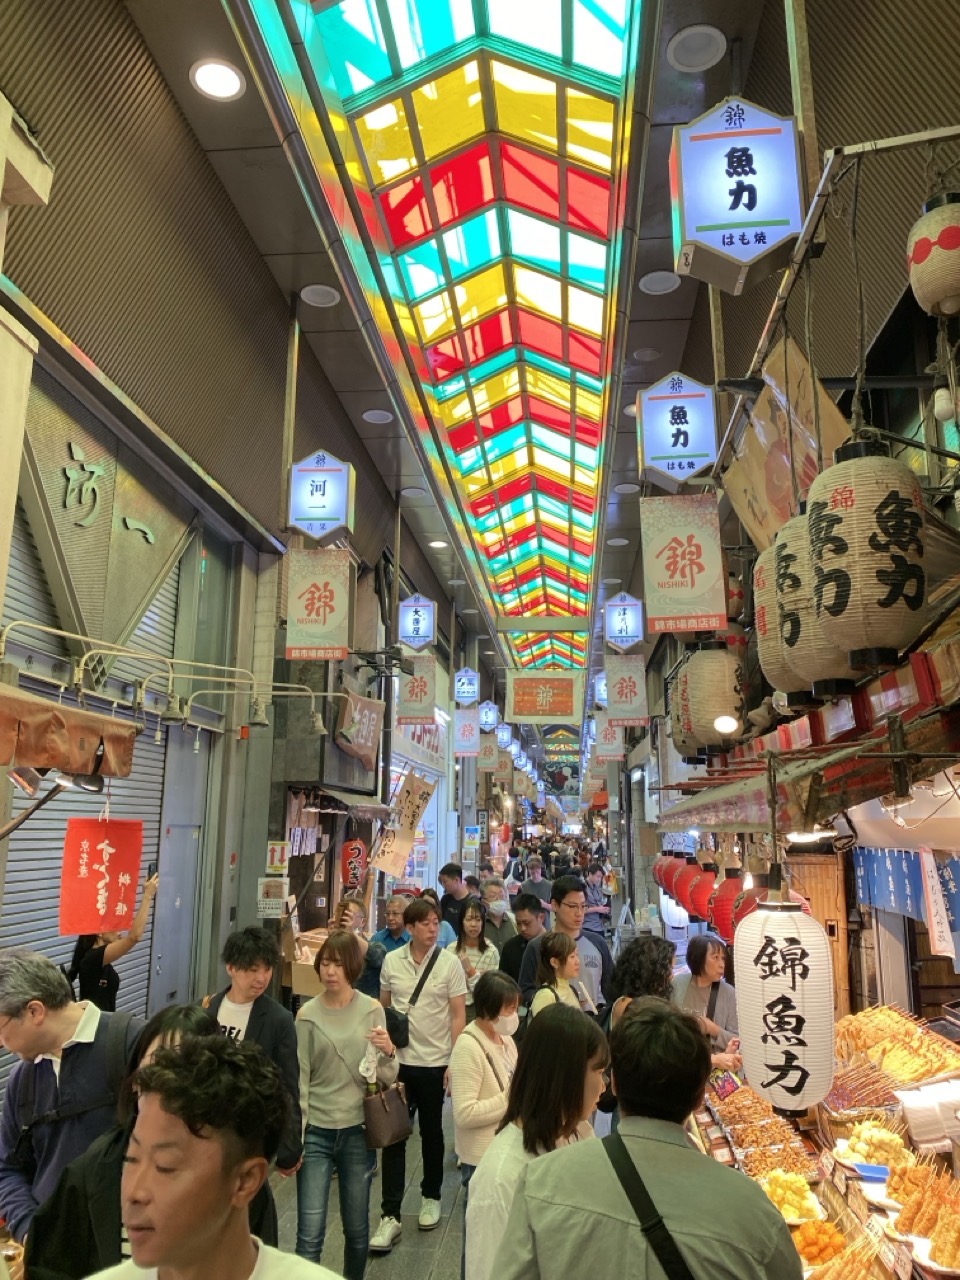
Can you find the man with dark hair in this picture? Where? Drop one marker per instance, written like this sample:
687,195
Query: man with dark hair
245,1012
486,871
596,965
529,915
571,1204
598,907
535,882
454,893
472,886
63,1093
210,1117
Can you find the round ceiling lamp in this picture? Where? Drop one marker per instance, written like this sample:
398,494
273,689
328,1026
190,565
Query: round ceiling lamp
469,610
617,542
438,544
412,491
643,355
218,79
612,582
626,488
696,48
630,410
457,582
379,417
319,295
659,282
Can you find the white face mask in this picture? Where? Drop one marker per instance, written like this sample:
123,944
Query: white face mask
497,908
507,1026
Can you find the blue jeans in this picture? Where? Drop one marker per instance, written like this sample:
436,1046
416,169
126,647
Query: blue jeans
346,1151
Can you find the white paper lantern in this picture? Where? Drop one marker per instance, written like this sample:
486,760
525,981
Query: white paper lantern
774,655
715,686
933,256
784,976
825,668
685,742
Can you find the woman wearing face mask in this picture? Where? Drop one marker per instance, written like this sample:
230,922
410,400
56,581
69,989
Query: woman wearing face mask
481,1068
559,1078
499,928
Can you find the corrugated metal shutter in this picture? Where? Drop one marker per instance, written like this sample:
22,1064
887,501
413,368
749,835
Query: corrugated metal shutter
28,595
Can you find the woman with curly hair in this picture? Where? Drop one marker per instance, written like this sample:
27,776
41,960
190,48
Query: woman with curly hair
643,968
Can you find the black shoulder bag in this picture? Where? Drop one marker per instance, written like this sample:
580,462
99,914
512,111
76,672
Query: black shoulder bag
651,1224
712,1001
398,1024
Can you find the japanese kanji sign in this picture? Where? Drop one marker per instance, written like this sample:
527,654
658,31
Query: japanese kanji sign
487,758
393,848
318,604
544,697
609,744
627,691
418,622
936,915
504,770
359,728
353,863
735,188
418,693
272,893
504,735
466,732
676,428
322,494
466,686
488,716
101,871
684,583
623,622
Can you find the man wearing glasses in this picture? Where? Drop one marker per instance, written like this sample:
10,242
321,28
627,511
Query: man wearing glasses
569,901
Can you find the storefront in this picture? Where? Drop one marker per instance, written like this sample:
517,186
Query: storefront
423,749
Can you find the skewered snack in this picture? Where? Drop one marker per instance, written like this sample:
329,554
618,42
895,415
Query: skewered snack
945,1242
818,1242
872,1143
906,1179
761,1133
860,1086
742,1106
921,1213
791,1195
859,1032
853,1264
793,1158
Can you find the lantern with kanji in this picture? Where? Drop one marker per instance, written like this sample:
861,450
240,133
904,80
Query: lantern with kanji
824,668
685,741
933,256
720,910
751,899
866,521
684,882
715,688
774,655
701,891
784,974
736,596
670,873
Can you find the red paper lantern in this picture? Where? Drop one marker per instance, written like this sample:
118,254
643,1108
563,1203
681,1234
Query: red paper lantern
353,863
659,867
721,904
684,882
702,890
679,861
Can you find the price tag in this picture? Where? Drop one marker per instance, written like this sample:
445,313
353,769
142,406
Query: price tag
857,1202
904,1263
840,1180
888,1254
874,1229
827,1163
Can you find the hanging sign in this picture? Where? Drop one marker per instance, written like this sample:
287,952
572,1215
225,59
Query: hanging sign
483,822
504,736
503,774
392,850
544,697
359,728
735,188
466,732
488,716
684,582
466,686
609,744
627,685
278,855
318,604
353,863
676,428
487,758
322,495
600,688
101,871
623,622
418,622
418,693
942,942
272,894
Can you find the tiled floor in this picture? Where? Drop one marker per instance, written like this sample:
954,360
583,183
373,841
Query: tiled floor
423,1255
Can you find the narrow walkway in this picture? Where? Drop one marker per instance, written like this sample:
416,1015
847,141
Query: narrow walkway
427,1255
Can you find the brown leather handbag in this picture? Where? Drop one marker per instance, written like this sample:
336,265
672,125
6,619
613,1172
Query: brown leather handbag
386,1116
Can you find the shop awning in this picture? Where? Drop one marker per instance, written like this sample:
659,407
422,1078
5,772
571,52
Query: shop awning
366,808
43,734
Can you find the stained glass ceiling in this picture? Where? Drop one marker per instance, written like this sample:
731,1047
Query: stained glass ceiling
484,140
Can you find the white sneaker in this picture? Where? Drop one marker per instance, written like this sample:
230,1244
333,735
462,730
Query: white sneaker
429,1214
387,1234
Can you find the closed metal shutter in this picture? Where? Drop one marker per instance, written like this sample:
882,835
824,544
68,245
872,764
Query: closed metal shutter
28,595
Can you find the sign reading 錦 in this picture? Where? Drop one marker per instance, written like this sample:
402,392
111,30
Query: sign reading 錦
503,773
487,757
359,728
101,871
684,581
322,495
418,622
416,703
627,691
609,740
544,697
623,622
676,428
318,604
466,686
488,716
735,188
466,732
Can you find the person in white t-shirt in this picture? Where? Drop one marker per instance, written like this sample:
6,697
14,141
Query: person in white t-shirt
210,1117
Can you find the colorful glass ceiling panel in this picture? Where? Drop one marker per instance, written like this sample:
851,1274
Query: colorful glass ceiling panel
486,144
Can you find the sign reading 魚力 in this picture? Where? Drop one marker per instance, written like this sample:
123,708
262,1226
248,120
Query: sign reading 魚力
676,428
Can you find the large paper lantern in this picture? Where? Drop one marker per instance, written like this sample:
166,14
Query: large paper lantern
720,910
684,882
715,686
774,655
735,638
702,890
751,899
784,975
660,865
736,596
933,256
685,741
825,669
670,873
866,521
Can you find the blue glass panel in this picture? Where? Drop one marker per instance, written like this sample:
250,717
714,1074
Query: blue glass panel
473,244
560,445
587,261
425,27
599,31
470,460
494,365
422,269
505,442
585,456
535,241
354,43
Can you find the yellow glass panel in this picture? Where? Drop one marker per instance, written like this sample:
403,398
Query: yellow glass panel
481,294
449,110
493,391
538,291
590,129
526,104
588,405
385,138
548,462
585,480
509,465
518,522
551,388
553,522
435,316
585,310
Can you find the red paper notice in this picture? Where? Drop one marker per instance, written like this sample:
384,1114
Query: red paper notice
101,870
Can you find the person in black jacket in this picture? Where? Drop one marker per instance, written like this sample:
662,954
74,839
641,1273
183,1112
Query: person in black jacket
78,1231
245,1012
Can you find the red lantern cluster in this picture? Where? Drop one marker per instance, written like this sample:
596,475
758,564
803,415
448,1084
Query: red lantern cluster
671,873
659,867
684,883
720,911
702,890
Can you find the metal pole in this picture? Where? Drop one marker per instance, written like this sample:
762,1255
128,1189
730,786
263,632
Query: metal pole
289,411
801,86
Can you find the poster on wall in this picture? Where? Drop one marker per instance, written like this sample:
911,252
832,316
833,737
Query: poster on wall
418,692
684,582
100,875
318,604
272,894
545,697
393,848
359,728
278,855
466,732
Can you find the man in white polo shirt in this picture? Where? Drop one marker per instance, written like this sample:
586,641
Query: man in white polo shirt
437,1018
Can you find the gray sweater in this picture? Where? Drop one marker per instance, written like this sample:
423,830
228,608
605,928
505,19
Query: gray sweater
331,1044
695,999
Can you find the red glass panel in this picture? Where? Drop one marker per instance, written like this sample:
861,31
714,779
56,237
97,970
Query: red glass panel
585,548
541,334
521,536
551,415
420,363
487,337
503,416
584,502
515,488
463,184
555,490
585,352
445,358
483,506
494,549
531,181
463,437
406,213
588,201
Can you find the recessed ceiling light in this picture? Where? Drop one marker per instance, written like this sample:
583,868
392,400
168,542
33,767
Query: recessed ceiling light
646,354
319,295
630,410
617,542
437,544
626,488
457,582
412,492
696,48
657,282
215,78
612,582
469,610
378,416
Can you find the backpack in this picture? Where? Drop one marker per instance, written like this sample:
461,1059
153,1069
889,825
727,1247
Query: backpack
117,1064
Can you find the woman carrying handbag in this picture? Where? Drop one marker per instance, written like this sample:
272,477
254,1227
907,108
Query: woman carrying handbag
345,1052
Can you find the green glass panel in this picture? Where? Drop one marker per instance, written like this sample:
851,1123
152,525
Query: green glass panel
470,460
422,269
473,244
599,32
423,28
550,440
353,41
587,261
504,443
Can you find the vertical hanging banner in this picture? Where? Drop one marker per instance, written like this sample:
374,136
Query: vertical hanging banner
487,757
359,728
609,740
322,495
466,686
466,732
418,622
353,864
418,693
936,914
101,871
623,622
735,191
544,697
394,846
676,429
684,583
504,770
318,604
627,691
